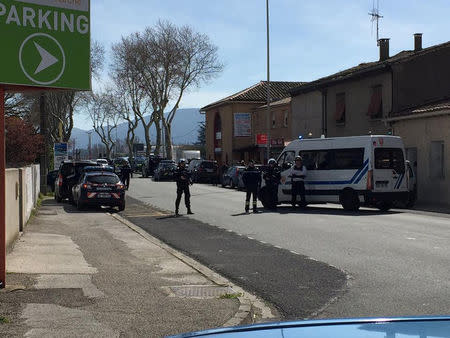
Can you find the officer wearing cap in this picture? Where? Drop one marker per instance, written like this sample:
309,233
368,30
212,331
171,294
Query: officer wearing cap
183,179
252,180
297,175
272,177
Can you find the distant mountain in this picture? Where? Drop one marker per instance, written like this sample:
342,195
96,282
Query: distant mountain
184,130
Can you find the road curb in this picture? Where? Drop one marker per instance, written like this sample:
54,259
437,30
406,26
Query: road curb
251,308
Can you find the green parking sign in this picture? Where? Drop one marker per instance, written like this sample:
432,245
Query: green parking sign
45,43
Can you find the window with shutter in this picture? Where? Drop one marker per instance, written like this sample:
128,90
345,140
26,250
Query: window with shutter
375,110
340,108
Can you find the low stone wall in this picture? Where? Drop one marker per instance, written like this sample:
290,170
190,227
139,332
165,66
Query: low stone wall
22,194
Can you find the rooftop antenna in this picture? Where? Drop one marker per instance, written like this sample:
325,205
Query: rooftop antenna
375,16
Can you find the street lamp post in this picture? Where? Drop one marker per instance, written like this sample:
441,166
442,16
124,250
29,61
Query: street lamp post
268,81
90,144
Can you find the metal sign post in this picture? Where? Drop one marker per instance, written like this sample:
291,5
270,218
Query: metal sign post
2,191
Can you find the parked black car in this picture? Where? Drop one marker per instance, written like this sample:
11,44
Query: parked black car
98,189
138,162
150,165
205,171
232,176
51,178
165,170
68,175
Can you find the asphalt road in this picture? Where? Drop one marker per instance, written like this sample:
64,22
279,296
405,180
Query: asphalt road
397,262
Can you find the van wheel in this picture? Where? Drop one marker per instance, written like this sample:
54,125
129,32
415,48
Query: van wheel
384,206
349,200
58,199
122,206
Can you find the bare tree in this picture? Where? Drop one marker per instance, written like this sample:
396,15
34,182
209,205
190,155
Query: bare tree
97,59
124,108
129,84
19,105
169,61
104,117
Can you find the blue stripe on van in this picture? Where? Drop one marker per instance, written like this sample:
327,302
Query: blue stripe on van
396,182
357,176
400,181
362,174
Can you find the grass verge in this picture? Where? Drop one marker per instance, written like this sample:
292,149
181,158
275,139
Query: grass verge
231,296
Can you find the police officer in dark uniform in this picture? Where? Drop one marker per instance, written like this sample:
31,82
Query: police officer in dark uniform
272,177
297,174
183,179
125,172
252,180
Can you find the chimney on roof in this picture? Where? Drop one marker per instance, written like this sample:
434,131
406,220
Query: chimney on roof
417,42
384,49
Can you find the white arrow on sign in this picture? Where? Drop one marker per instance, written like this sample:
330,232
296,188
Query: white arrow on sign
47,59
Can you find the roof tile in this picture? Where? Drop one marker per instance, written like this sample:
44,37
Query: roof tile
258,93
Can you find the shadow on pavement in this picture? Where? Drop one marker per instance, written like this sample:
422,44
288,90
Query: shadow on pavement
168,216
324,211
71,209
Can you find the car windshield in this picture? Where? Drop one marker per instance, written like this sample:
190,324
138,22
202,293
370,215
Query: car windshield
102,179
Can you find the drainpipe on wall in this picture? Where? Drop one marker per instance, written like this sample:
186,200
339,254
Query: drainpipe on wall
324,112
21,222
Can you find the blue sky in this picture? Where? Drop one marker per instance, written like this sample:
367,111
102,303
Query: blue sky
309,39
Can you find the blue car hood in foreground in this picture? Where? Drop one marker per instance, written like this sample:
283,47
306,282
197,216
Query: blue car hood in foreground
420,327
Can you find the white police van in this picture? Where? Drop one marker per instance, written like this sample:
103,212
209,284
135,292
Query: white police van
353,171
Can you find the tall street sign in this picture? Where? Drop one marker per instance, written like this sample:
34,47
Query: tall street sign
45,43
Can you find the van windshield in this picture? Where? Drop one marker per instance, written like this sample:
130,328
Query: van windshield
390,158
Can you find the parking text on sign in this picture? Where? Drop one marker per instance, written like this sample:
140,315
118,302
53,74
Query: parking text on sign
47,19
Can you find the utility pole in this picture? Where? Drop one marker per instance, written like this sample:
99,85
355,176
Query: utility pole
44,133
269,119
90,144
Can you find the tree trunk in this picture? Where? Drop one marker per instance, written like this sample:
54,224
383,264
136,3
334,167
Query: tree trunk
158,138
130,141
148,141
168,139
108,150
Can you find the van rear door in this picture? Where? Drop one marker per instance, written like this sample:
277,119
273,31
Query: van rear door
389,169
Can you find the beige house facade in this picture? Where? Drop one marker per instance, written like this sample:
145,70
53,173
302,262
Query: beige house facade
426,134
230,122
356,117
280,123
307,115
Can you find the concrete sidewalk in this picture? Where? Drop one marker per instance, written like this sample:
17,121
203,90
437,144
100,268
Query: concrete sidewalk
88,274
